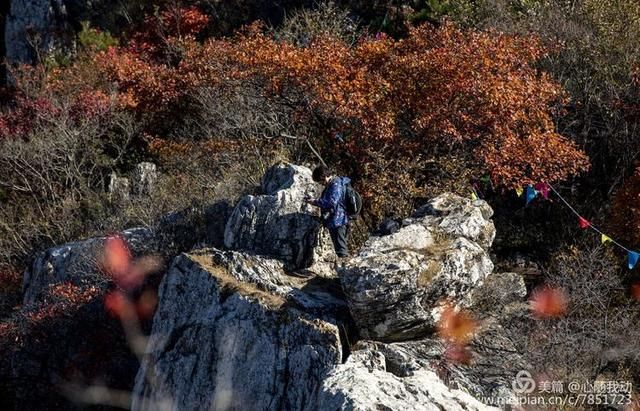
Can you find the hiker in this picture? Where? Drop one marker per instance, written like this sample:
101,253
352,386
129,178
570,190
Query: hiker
335,206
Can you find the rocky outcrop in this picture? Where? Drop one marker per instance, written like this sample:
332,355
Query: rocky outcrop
51,25
396,282
144,178
77,262
279,223
241,328
371,380
27,21
235,332
457,216
258,338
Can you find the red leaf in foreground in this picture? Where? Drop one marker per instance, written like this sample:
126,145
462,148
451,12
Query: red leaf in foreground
456,326
119,305
548,302
117,258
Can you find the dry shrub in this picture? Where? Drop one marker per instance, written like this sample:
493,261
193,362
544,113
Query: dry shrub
325,20
599,333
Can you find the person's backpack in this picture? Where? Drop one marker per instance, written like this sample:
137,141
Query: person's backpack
352,201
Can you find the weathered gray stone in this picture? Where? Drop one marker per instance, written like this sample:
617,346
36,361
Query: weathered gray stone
119,187
370,381
458,216
31,21
279,223
233,331
144,178
221,341
396,282
78,262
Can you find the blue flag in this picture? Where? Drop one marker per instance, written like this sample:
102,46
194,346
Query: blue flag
632,259
531,194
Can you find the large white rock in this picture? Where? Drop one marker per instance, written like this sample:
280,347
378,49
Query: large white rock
396,282
233,332
366,382
279,223
144,178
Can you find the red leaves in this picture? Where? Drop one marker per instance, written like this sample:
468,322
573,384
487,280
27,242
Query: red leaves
126,272
120,305
117,257
10,280
456,326
547,302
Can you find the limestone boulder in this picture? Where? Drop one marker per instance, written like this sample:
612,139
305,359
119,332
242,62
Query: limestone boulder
395,284
279,223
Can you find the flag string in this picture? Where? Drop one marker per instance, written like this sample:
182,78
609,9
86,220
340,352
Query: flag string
591,226
531,192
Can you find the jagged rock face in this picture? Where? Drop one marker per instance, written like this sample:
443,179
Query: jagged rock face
370,380
234,331
27,18
78,262
119,187
144,178
52,24
395,283
279,223
458,216
220,340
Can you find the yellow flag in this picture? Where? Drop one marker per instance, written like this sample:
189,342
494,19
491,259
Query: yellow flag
474,196
605,238
519,191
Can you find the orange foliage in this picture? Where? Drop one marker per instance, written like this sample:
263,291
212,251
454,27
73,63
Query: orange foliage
635,291
437,89
126,272
438,86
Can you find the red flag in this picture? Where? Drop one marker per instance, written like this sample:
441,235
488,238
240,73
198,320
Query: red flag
584,223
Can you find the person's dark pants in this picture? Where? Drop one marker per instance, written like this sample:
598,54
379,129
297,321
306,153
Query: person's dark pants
339,238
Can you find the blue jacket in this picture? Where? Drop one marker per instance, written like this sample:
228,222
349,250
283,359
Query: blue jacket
332,201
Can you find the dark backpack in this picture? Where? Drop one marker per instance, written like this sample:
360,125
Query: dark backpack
352,201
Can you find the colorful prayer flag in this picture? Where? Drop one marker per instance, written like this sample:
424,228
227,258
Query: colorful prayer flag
632,259
531,194
474,196
605,238
519,191
583,222
543,189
